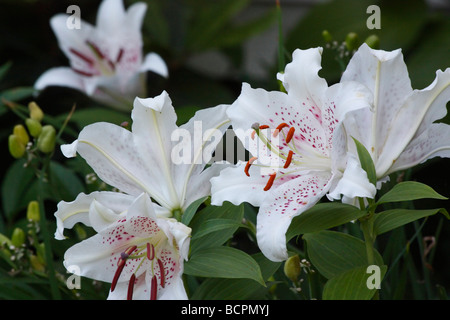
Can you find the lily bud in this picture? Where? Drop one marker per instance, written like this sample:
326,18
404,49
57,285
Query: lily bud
18,237
33,213
35,112
34,127
36,263
352,41
47,138
373,41
326,35
21,133
292,268
16,147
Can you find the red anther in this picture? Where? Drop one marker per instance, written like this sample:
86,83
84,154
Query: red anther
289,159
264,126
119,56
253,135
150,251
82,56
163,273
290,134
153,289
131,287
117,275
270,182
247,166
130,250
121,264
83,73
279,128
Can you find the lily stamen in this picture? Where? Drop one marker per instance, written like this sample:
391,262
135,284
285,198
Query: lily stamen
131,287
150,251
162,272
154,288
248,165
120,265
270,182
279,128
289,159
290,134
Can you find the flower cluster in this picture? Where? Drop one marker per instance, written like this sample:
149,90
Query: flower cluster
304,143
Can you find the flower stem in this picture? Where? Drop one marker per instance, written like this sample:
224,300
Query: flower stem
45,232
367,229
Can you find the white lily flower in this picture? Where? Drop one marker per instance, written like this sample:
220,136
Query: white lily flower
298,150
141,254
142,160
399,132
106,61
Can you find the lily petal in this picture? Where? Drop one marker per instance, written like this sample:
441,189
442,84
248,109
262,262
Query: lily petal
433,142
281,205
153,62
386,75
420,110
234,186
61,76
301,79
70,213
354,182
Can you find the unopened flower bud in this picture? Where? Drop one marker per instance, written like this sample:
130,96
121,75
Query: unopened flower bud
33,213
16,147
18,237
36,264
35,112
352,41
326,35
20,132
373,41
47,138
292,268
34,127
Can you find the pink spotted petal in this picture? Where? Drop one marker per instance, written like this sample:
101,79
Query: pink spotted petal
281,205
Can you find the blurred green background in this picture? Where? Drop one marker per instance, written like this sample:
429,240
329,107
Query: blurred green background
211,47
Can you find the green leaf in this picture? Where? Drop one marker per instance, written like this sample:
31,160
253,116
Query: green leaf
323,216
333,252
237,289
366,162
390,219
214,225
409,190
215,239
191,210
4,69
223,262
351,285
16,188
15,94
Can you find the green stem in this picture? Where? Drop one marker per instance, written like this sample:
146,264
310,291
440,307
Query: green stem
367,229
45,233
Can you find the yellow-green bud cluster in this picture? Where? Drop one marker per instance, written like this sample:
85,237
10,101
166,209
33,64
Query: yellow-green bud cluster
44,135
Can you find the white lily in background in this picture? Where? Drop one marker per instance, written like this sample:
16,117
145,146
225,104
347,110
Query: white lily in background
142,160
106,61
141,254
399,132
298,149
